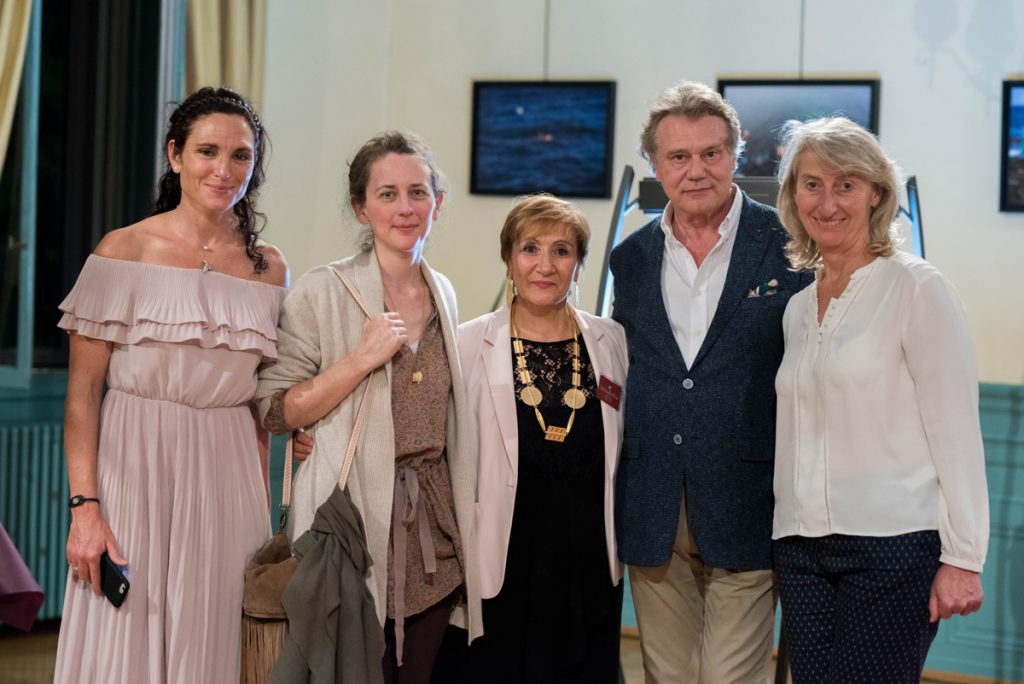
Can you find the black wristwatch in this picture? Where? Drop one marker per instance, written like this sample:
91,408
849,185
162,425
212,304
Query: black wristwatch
78,500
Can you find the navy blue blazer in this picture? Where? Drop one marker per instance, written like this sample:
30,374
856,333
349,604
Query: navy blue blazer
708,431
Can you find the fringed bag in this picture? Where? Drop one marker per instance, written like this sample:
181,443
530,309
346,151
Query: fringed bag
264,624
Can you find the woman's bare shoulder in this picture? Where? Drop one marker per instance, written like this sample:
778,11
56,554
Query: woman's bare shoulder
131,242
277,265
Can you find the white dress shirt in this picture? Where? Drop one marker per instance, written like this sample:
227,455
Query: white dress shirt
691,294
877,426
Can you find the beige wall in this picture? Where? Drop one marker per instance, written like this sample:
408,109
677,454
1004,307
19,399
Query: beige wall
339,71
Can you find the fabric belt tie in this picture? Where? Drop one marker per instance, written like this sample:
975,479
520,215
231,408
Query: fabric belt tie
408,507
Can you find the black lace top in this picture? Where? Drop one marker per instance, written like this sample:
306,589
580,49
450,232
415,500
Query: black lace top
581,455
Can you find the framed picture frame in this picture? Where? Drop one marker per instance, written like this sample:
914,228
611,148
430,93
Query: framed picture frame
764,105
912,214
542,136
1011,167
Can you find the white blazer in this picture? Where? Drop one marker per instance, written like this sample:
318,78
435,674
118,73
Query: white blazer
486,356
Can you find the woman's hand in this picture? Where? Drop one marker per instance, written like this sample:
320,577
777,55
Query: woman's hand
89,535
88,538
312,399
302,445
383,335
955,591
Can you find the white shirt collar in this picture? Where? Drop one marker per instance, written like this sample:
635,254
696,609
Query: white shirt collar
726,228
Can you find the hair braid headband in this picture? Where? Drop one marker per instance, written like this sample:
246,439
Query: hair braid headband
198,104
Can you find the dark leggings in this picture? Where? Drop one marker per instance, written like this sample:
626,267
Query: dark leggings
855,609
423,635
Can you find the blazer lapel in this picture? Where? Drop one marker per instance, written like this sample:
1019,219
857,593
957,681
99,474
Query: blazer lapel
497,360
601,359
652,301
747,253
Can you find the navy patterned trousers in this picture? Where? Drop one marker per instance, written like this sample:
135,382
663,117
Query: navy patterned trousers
855,609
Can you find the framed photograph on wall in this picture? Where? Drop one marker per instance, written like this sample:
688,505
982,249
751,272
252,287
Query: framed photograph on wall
542,136
1011,176
764,105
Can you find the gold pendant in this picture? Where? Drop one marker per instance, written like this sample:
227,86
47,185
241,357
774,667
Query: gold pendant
531,396
417,377
574,398
555,433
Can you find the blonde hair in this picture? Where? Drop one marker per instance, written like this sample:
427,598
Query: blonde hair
846,147
547,211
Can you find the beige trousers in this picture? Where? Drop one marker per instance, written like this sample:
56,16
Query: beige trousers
703,625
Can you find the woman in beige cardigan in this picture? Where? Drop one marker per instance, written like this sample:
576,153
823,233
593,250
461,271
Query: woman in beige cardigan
411,479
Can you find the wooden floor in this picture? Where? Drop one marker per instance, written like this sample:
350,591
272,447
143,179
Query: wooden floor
28,658
633,668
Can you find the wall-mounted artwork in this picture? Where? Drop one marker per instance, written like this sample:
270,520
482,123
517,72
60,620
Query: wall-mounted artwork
764,105
550,136
912,214
1011,185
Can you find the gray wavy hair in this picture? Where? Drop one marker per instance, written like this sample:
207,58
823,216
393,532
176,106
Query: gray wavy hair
692,100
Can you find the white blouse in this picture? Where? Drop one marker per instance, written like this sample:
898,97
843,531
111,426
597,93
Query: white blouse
877,425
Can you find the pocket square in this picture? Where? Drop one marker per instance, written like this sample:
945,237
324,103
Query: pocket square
766,289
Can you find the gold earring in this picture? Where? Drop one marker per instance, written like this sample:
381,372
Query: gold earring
510,291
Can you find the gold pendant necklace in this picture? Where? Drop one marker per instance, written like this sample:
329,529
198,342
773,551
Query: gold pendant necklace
417,375
573,397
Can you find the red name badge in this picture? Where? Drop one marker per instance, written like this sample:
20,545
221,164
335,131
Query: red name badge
609,392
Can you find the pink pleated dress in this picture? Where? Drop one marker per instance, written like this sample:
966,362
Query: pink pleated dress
178,468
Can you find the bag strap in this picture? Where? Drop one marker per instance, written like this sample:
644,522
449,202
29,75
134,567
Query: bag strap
286,488
347,282
346,465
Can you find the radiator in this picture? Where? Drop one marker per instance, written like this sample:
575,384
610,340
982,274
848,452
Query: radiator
33,504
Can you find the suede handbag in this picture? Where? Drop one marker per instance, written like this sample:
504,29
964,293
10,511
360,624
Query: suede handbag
264,623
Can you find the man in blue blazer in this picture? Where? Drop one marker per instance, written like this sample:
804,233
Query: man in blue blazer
700,292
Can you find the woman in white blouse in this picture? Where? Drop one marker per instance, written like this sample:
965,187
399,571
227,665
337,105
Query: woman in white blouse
881,506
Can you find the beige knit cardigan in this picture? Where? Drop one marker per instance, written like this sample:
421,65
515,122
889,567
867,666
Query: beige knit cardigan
320,324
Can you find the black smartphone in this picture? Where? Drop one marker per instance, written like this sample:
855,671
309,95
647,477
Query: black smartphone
113,583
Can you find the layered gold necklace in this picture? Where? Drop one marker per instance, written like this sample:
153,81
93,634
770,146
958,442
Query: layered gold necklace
573,397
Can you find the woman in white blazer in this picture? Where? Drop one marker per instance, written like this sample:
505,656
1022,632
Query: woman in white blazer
544,388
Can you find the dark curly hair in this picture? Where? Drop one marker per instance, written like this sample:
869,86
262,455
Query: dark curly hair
219,101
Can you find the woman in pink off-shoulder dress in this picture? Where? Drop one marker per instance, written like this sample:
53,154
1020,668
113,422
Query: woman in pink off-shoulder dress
174,314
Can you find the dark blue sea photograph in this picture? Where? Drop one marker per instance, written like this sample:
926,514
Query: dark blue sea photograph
1014,162
764,107
542,138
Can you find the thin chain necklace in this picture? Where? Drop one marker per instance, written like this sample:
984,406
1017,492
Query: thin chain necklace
531,396
205,252
206,264
417,375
